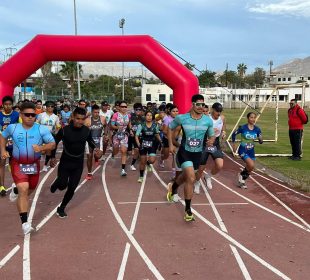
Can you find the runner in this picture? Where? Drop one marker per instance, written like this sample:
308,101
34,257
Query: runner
51,121
249,132
195,127
7,116
27,138
65,115
219,127
107,113
74,137
120,122
145,136
96,124
136,119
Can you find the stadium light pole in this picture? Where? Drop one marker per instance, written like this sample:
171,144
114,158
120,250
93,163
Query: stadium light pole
121,25
77,63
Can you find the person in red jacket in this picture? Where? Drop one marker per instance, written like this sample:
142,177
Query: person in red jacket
296,119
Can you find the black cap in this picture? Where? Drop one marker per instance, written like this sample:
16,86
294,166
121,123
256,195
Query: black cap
104,103
217,107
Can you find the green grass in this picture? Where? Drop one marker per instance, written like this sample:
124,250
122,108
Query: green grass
296,170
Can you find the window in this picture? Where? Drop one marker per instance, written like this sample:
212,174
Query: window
289,79
302,78
298,97
274,98
283,79
279,79
148,97
281,97
162,97
171,97
308,78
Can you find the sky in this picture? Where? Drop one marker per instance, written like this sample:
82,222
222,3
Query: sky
208,34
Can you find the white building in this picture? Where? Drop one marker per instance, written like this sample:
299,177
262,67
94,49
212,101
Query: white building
234,98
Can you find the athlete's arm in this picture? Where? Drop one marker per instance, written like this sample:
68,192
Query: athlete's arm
260,136
4,152
223,133
138,132
58,138
233,138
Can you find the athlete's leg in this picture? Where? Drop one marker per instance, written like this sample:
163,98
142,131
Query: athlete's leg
63,174
74,179
90,161
189,174
217,167
2,170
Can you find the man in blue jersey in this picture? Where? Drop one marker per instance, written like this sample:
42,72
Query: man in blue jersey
196,128
28,138
7,116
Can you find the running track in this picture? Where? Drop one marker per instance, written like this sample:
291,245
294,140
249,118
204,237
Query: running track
119,229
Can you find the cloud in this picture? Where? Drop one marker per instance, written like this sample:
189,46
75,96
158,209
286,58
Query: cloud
297,8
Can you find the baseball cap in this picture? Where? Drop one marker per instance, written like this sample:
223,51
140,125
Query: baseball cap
104,103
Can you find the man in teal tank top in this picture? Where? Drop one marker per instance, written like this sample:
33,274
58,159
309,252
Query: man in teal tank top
196,128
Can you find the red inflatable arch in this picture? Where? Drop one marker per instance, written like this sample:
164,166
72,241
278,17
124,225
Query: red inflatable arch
142,48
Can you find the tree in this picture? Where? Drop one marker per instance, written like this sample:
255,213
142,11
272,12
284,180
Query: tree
46,70
257,78
229,78
241,69
207,79
68,70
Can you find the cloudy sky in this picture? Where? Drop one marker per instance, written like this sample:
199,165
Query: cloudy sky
204,32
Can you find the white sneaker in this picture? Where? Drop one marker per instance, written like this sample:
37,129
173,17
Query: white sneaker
208,181
27,228
176,198
132,167
197,187
123,172
241,182
149,168
103,159
45,168
161,163
13,196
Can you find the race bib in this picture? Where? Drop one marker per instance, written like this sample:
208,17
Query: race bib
147,144
120,135
249,146
211,149
193,142
28,168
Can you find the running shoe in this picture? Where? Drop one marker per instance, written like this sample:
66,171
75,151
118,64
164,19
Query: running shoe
197,187
89,176
13,196
241,182
172,197
189,217
149,168
208,180
140,180
61,213
132,167
27,228
123,173
161,163
45,168
2,191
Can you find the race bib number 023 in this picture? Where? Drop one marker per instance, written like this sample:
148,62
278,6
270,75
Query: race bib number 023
193,142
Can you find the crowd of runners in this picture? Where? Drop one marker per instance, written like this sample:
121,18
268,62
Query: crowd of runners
31,130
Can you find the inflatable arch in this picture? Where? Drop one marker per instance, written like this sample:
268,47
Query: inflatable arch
141,48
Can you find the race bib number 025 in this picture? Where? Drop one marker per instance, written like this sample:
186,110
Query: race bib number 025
193,142
28,168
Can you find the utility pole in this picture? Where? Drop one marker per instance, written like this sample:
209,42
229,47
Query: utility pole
226,72
121,25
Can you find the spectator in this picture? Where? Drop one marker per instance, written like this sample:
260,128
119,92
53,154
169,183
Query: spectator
296,119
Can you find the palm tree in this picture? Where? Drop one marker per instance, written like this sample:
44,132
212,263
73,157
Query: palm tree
68,69
241,69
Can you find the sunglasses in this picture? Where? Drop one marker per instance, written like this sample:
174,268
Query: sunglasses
138,109
199,104
123,106
28,115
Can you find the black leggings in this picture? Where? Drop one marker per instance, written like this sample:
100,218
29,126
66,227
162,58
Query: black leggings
69,175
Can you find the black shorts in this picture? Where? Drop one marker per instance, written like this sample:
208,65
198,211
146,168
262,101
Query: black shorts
186,159
132,143
165,142
216,154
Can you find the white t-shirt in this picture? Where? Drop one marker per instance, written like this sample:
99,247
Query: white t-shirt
51,121
108,115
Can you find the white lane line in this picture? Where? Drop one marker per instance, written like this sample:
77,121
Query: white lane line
266,178
132,229
26,247
166,202
262,207
121,271
281,203
52,213
230,239
9,256
219,219
119,220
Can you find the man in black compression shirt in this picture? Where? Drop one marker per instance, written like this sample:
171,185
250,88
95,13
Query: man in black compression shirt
74,137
